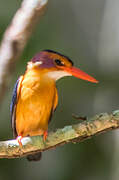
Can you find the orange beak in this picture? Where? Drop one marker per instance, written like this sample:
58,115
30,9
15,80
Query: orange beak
79,74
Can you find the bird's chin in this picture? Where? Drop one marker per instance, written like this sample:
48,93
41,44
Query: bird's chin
58,74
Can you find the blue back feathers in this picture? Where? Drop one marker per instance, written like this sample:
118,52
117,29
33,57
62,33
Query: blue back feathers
14,98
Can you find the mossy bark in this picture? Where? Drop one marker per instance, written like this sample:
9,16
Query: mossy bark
73,133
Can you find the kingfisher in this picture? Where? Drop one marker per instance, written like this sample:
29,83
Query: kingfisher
35,95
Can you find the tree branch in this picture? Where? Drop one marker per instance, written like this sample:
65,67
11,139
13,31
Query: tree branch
16,37
74,133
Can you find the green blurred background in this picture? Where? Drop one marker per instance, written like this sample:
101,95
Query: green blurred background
87,32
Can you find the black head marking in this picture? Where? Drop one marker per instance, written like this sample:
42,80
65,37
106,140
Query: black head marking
48,50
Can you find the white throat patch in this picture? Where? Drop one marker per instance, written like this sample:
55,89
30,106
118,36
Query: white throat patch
58,74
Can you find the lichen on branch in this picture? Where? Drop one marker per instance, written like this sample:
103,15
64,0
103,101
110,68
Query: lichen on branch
74,133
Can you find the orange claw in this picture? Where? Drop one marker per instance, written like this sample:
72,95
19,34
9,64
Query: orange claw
45,134
19,138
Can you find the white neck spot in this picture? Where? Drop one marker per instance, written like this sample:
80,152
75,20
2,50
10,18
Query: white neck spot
31,65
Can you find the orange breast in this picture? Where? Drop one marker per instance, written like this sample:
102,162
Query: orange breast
36,101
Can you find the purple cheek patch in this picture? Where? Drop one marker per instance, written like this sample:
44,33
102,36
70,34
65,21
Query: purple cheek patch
47,63
44,58
36,58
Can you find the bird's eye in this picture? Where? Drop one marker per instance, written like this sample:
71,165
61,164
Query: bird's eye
58,62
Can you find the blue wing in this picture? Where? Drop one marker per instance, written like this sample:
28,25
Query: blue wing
13,106
14,97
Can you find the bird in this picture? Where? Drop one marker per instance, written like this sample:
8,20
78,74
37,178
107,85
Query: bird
35,95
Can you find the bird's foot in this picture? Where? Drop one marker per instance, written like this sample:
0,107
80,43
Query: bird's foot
45,134
19,138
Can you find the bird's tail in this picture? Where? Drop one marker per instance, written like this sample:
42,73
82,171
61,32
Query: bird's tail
34,157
